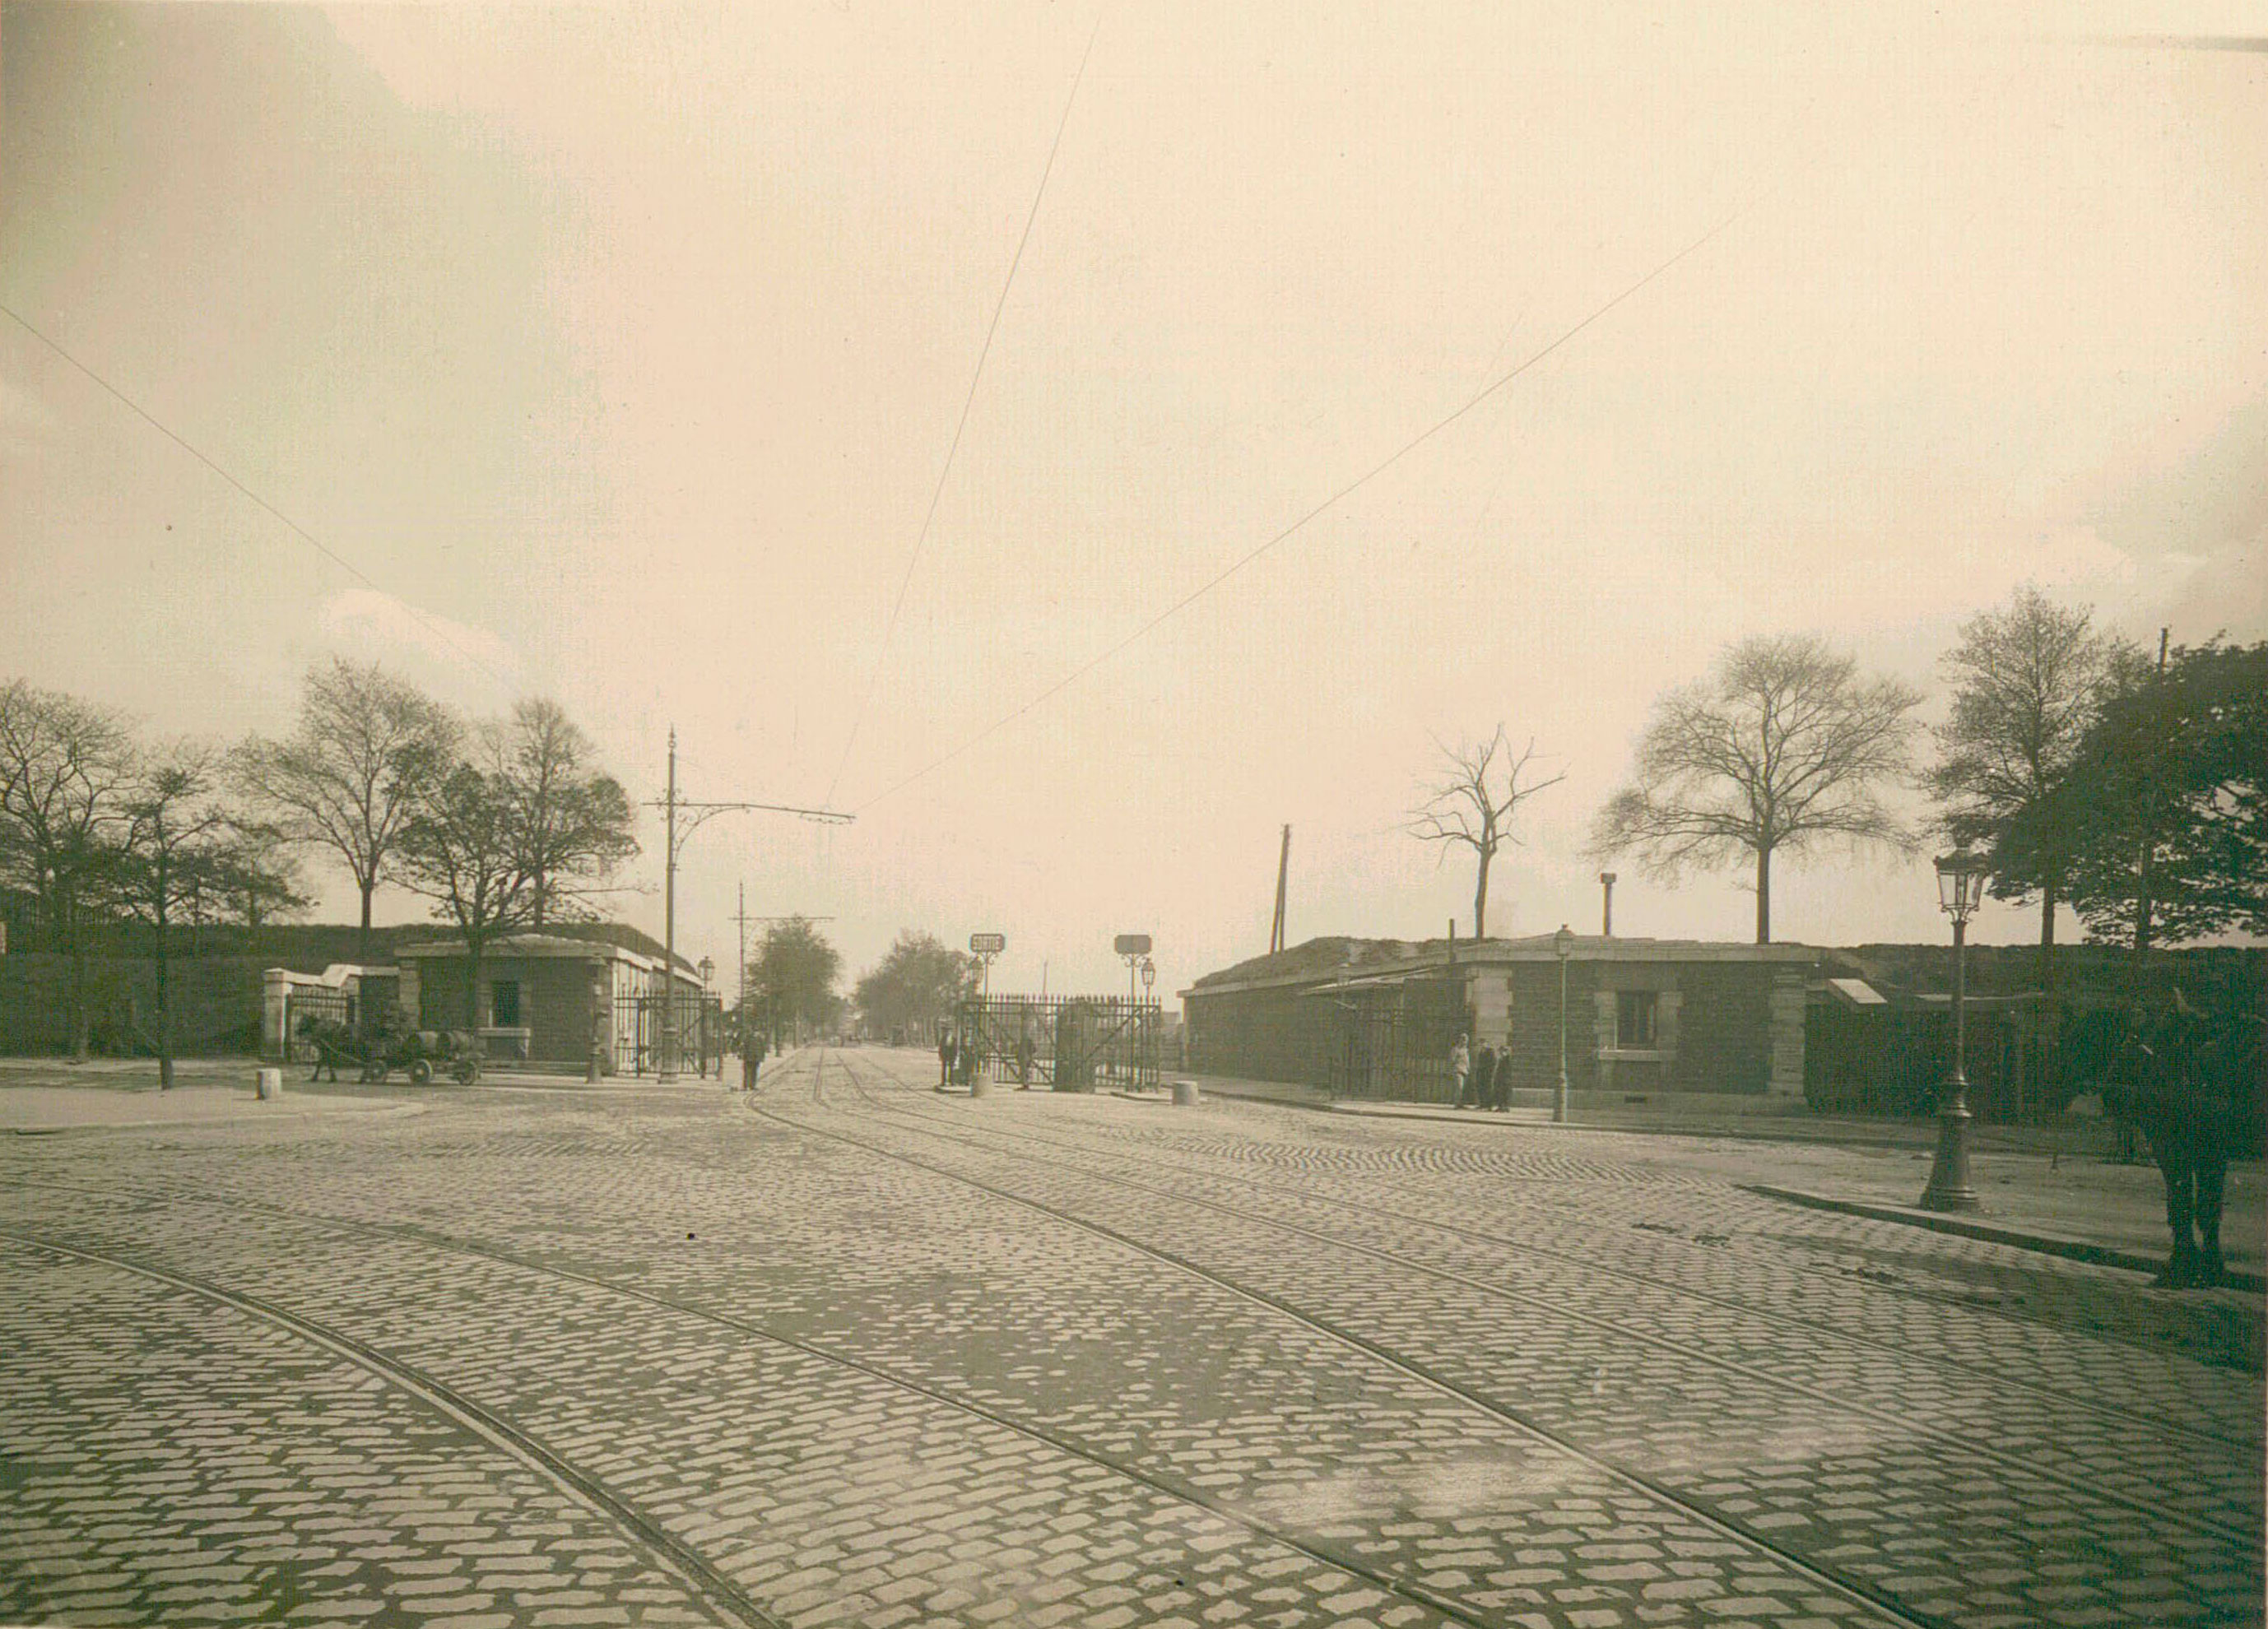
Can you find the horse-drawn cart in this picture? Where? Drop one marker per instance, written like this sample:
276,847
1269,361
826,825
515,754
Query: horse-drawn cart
419,1053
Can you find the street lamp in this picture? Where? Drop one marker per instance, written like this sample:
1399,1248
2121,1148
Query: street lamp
1563,943
1149,978
1960,891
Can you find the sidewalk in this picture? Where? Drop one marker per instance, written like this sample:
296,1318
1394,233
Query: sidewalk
46,1096
2080,1203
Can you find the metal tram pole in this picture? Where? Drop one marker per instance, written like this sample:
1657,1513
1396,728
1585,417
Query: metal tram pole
671,804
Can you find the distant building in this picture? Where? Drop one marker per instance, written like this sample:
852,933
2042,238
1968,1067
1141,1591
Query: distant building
1375,1018
544,998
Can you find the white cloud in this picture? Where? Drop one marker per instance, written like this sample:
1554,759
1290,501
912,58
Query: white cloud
373,625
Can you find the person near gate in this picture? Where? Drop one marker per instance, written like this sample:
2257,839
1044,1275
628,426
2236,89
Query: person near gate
1026,1051
944,1054
1484,1066
1461,1069
754,1044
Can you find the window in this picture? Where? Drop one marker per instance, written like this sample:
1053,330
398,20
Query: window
503,1004
1634,1012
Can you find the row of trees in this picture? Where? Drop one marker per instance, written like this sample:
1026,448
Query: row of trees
792,975
503,825
2091,776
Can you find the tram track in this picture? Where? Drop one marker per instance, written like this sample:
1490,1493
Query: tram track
1849,1590
2230,1532
661,1549
2062,1398
495,1427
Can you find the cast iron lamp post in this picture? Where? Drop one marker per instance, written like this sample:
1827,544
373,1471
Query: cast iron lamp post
1563,943
1960,891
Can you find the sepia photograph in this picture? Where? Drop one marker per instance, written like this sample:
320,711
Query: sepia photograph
831,815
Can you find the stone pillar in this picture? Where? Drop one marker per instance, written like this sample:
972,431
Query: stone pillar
1665,1035
1787,1004
275,999
1491,995
408,994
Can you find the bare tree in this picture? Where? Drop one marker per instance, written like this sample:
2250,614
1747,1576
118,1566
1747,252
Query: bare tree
1782,746
176,835
348,778
574,824
66,769
1474,804
2028,679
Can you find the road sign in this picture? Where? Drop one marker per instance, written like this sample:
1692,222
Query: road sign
988,944
1133,945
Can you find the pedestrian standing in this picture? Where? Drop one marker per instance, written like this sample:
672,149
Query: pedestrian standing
945,1055
1461,1068
1484,1075
754,1044
1026,1051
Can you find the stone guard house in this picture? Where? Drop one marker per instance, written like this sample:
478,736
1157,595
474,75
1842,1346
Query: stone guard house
1375,1018
542,999
539,994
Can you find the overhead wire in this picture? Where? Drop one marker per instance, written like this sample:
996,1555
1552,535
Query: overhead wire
293,526
921,538
1311,515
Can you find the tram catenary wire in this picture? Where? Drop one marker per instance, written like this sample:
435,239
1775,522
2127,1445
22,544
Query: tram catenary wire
2230,1531
890,628
1329,504
290,525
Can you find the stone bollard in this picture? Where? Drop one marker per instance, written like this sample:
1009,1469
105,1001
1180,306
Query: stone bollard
1185,1092
978,1086
268,1084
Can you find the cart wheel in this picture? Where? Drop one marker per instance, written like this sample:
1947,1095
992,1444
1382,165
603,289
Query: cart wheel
465,1071
420,1073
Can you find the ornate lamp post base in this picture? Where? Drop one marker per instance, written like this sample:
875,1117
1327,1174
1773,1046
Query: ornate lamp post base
1949,1187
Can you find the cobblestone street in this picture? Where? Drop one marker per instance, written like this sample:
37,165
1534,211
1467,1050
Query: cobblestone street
852,1353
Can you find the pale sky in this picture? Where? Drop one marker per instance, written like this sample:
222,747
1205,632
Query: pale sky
618,352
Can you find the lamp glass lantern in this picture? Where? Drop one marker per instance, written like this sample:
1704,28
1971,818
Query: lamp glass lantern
1960,884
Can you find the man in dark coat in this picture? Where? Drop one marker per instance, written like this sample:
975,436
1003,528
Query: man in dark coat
944,1052
754,1044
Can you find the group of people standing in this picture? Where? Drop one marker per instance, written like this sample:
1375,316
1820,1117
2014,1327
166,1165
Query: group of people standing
1482,1079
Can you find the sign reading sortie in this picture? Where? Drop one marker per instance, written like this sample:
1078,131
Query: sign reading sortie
987,943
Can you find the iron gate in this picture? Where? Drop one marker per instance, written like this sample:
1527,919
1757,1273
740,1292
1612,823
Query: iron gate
641,1036
1393,1040
1065,1043
308,1006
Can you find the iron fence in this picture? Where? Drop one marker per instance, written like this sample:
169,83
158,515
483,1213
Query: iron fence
1065,1043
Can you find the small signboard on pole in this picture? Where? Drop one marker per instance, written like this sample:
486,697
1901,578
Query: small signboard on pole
987,943
1133,945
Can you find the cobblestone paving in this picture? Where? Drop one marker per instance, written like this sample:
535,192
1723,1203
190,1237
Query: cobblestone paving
866,1392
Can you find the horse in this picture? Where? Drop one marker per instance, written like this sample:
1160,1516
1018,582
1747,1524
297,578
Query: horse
334,1044
2189,1084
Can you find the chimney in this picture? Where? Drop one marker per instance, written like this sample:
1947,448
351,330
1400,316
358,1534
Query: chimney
1607,905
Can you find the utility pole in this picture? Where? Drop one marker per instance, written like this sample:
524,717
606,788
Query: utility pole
1283,875
2144,865
671,804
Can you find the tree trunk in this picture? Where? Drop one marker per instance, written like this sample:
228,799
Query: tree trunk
362,941
2051,1025
1480,898
164,1006
1764,896
473,985
74,931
